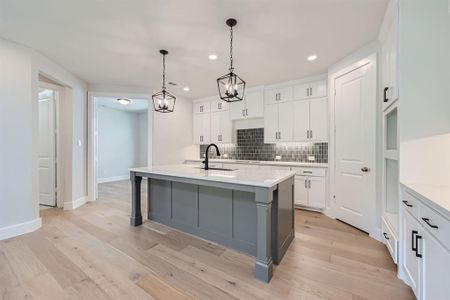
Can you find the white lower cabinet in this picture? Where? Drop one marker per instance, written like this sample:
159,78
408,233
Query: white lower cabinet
426,256
310,191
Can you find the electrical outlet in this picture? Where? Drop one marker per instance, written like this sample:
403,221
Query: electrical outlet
225,155
277,157
311,158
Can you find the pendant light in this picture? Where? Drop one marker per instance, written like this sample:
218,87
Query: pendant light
163,101
231,86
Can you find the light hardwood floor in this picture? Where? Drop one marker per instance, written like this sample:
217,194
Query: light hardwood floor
93,253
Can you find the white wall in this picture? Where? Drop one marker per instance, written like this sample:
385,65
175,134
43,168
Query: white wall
19,202
172,135
143,138
121,142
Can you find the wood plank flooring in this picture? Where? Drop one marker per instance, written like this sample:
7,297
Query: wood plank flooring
93,253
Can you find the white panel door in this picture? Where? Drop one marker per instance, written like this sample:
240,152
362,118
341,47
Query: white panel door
317,189
318,89
301,190
254,104
47,148
271,123
318,120
435,268
285,122
237,110
301,120
355,103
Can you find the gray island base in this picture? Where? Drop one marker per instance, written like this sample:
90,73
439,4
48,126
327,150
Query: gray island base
248,210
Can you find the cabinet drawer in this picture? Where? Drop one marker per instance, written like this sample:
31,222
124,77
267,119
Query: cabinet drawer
276,168
390,240
305,171
411,204
430,219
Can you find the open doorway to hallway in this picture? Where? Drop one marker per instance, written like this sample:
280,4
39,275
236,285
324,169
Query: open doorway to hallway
120,137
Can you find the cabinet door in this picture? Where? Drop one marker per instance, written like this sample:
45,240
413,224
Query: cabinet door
317,191
411,262
435,269
200,122
271,123
301,120
254,104
301,190
276,95
318,120
301,91
215,127
237,110
225,131
219,105
206,128
201,107
318,89
285,122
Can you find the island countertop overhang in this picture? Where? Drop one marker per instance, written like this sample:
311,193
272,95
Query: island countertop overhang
257,178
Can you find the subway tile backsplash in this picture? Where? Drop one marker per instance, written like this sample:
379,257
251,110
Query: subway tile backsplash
250,146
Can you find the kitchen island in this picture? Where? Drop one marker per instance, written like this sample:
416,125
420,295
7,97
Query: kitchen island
248,210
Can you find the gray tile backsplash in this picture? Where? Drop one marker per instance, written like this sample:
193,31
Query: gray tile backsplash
250,146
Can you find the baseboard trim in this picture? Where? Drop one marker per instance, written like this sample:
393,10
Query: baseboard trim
115,178
69,205
19,229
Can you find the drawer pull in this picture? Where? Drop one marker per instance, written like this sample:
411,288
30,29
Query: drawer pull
417,245
426,220
386,235
407,204
307,172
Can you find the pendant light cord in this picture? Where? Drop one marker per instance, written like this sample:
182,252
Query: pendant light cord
164,72
231,49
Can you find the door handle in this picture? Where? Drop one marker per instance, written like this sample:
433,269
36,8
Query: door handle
418,237
385,99
407,203
386,235
365,169
426,220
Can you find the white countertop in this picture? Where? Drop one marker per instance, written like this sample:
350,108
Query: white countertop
252,177
438,196
265,163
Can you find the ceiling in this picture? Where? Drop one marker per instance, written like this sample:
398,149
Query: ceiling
117,42
135,106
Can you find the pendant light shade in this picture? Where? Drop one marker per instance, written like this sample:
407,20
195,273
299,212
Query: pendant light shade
163,101
231,86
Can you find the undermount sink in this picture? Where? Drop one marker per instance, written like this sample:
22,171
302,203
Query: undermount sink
217,169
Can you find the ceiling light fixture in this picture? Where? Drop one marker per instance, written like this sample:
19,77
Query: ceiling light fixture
231,86
212,57
124,101
312,57
186,89
163,101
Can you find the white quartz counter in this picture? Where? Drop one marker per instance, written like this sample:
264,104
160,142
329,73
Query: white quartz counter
436,196
252,177
264,163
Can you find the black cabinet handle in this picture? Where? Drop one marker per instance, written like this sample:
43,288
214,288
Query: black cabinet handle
386,235
426,220
407,204
417,245
385,99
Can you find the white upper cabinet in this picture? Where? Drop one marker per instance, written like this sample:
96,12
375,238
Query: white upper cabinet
311,120
221,127
276,95
202,127
301,120
251,107
219,105
318,120
271,123
202,107
315,89
278,123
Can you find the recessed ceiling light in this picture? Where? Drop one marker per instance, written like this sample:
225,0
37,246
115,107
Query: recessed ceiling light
186,89
312,57
212,57
124,101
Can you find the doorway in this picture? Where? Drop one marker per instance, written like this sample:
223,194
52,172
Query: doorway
48,96
355,109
